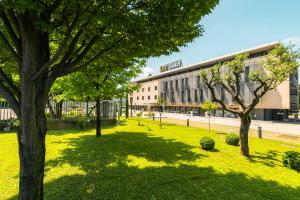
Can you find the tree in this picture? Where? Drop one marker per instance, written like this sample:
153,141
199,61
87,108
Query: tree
209,106
50,39
97,85
275,68
161,103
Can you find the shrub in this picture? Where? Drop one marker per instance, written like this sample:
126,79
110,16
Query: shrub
207,143
139,115
232,139
81,124
291,159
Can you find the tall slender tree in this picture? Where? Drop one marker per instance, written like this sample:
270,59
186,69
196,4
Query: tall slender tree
274,69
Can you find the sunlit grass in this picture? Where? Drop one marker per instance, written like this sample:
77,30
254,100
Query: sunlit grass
147,162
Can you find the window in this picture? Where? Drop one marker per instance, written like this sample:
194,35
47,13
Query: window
131,99
142,97
222,94
155,87
201,95
176,84
247,74
148,97
171,85
182,83
189,95
198,81
196,95
182,96
166,85
143,89
148,89
155,97
137,98
186,83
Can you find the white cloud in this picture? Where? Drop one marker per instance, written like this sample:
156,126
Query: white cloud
147,71
292,40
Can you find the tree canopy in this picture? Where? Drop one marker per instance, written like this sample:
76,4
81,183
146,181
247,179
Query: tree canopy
273,69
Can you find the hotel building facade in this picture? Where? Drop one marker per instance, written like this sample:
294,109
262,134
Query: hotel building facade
184,91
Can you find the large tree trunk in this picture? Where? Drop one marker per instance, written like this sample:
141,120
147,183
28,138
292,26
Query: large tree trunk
244,129
31,139
98,120
34,95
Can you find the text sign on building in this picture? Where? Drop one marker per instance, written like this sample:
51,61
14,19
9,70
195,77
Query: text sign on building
170,66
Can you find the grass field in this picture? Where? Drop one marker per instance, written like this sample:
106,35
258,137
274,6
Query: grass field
146,162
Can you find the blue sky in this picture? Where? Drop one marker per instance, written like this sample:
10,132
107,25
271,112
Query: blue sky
235,25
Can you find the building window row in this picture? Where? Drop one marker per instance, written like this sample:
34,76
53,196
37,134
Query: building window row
148,89
148,97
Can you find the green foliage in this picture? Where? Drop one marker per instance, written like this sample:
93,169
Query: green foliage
150,160
208,105
291,159
207,143
139,117
232,139
82,124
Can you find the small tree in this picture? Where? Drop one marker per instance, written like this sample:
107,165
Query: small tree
161,103
112,81
275,68
209,106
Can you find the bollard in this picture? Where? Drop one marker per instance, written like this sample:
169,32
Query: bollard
259,132
187,122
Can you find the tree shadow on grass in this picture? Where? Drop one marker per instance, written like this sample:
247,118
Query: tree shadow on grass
59,132
136,165
269,158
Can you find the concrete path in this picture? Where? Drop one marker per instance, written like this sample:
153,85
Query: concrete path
280,131
292,128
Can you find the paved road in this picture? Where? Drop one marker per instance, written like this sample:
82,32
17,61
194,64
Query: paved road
292,128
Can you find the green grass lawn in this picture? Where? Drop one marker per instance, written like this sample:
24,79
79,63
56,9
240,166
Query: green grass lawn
146,162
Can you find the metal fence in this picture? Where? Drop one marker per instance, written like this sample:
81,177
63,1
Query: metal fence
69,109
63,110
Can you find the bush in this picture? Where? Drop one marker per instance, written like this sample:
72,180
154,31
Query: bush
232,139
81,124
291,159
139,115
207,143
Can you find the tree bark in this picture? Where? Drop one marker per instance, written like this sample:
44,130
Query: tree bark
98,120
34,96
244,129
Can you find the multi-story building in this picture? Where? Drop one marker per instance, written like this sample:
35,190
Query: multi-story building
184,90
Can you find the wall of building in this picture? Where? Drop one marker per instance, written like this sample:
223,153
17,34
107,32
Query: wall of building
147,94
184,90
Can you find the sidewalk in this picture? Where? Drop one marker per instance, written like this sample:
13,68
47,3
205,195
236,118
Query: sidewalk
280,131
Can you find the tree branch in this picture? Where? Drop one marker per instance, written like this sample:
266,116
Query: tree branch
212,91
10,30
9,83
54,6
13,102
9,48
59,50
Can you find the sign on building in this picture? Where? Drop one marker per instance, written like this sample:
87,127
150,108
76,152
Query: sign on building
170,66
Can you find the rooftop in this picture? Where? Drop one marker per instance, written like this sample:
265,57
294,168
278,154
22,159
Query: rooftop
210,62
